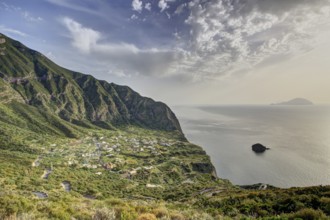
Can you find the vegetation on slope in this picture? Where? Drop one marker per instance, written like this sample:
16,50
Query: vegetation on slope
130,165
134,173
73,147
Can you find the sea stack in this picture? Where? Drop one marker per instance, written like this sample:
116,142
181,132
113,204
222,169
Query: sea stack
259,148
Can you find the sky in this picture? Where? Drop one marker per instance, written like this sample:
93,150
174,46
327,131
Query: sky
198,52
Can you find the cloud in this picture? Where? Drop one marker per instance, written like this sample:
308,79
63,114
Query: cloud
180,8
280,7
134,17
216,39
227,35
10,31
27,16
84,39
50,55
119,73
148,6
99,8
9,7
162,4
73,6
125,59
137,5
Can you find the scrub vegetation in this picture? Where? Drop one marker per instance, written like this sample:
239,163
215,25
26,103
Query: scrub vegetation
73,147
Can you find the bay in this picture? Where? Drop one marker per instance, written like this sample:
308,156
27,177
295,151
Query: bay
299,138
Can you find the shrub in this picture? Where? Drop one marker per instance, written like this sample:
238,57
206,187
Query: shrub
12,204
160,212
202,216
177,216
142,209
127,213
104,214
262,212
308,214
325,205
147,216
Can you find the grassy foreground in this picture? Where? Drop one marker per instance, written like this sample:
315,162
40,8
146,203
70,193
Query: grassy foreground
134,173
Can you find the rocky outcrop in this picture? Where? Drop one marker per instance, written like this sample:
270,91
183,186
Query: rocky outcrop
258,186
259,148
204,168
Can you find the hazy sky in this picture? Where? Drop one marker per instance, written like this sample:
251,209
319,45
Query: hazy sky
185,52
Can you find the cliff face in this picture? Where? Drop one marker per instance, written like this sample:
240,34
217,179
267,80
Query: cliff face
32,79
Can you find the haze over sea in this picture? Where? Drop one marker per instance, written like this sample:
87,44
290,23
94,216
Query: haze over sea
299,138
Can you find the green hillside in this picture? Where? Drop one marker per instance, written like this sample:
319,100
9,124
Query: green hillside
80,99
74,147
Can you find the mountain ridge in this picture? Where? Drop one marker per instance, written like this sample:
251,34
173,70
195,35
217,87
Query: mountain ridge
32,79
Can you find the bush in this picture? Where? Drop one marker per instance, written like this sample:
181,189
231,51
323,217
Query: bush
12,204
114,202
160,212
202,216
104,214
127,213
262,213
177,216
308,214
147,216
325,205
141,209
23,216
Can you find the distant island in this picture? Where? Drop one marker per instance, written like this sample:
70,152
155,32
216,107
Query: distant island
296,101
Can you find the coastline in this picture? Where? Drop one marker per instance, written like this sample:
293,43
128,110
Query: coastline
201,127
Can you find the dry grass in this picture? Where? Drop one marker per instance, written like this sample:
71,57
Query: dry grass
147,216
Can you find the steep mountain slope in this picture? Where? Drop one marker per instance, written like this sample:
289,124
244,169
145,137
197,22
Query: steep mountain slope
29,78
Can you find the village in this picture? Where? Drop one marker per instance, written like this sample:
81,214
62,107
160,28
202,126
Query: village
125,155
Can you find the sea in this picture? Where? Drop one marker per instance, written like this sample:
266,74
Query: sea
298,138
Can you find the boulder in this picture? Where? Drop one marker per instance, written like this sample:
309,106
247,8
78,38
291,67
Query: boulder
259,148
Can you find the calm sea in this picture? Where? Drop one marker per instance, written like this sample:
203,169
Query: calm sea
299,138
